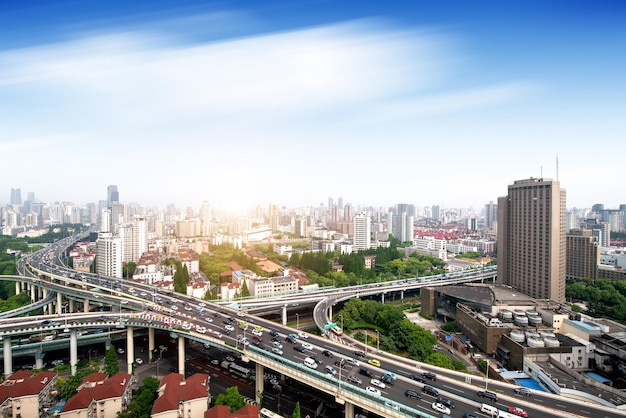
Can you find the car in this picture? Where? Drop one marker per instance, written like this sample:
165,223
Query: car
258,328
327,353
277,350
200,329
387,380
215,362
229,328
466,415
138,360
373,390
366,372
188,308
57,362
439,407
377,383
429,390
294,336
276,344
516,410
317,358
307,346
187,325
230,358
202,304
359,353
241,314
392,405
209,319
331,370
374,362
303,335
290,340
341,363
522,391
120,350
174,307
274,333
299,348
257,338
447,402
355,379
488,395
257,333
353,361
429,375
411,393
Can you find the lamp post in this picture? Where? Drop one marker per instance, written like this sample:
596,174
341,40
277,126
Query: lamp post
297,321
487,376
377,342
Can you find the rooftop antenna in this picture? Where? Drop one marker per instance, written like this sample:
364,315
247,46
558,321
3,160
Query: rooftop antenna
557,167
541,172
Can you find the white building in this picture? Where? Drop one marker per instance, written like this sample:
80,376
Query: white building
362,231
109,255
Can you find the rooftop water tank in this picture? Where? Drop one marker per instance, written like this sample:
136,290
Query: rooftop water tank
535,342
506,315
517,335
551,342
521,320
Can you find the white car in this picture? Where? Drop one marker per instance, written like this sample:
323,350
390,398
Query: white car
377,383
188,308
202,304
277,344
241,314
303,335
229,328
174,308
257,333
200,329
138,360
307,346
209,319
439,407
373,390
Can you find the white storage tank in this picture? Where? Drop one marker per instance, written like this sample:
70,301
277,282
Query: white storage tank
521,320
551,342
535,342
534,320
506,315
517,335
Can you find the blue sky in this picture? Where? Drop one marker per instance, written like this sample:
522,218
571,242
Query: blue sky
246,102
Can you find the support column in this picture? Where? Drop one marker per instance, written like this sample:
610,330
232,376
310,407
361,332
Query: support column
402,295
181,355
32,293
39,360
18,288
86,305
71,305
260,371
382,298
348,410
59,303
73,351
284,315
130,349
151,344
8,355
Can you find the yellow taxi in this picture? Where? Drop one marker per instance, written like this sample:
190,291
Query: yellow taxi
374,362
258,328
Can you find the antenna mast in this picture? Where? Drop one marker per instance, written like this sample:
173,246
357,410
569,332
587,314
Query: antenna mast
557,167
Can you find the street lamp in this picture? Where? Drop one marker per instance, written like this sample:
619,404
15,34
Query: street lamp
377,342
297,321
487,376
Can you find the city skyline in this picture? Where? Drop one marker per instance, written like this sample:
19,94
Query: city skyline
291,102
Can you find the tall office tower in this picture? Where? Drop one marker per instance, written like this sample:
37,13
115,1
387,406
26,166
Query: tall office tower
16,196
405,207
348,213
531,238
602,230
362,231
615,219
300,228
273,217
112,195
31,197
623,209
108,255
340,202
435,214
583,255
140,230
598,208
105,220
330,202
491,214
126,235
119,214
334,213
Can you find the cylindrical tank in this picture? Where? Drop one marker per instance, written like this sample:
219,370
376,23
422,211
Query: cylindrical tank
521,320
546,334
551,342
517,335
534,320
535,342
506,315
532,334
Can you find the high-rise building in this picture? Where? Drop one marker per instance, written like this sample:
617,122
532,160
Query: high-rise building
340,202
108,255
16,196
583,254
491,214
362,231
112,195
435,212
531,238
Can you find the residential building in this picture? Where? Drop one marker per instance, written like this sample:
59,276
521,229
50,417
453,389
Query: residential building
532,239
182,398
362,231
109,255
583,255
25,394
491,214
99,396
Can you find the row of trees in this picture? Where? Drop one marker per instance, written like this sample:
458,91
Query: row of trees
603,298
397,333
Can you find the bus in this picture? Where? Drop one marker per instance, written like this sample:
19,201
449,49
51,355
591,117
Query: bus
266,413
334,329
240,370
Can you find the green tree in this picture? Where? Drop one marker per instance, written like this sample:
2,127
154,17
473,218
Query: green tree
245,292
232,398
141,405
128,270
296,411
111,366
70,386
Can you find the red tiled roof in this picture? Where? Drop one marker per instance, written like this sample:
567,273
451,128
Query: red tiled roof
176,389
97,387
223,411
24,383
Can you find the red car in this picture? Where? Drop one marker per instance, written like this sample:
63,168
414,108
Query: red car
518,411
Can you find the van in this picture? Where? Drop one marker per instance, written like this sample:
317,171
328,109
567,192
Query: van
309,362
488,395
429,390
489,410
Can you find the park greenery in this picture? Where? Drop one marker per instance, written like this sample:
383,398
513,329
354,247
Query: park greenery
397,333
604,298
143,400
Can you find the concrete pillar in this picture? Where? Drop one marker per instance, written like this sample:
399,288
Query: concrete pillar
382,298
86,305
39,360
59,303
130,349
73,351
260,371
44,292
8,355
181,355
151,344
348,410
71,305
284,315
402,295
18,288
32,293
